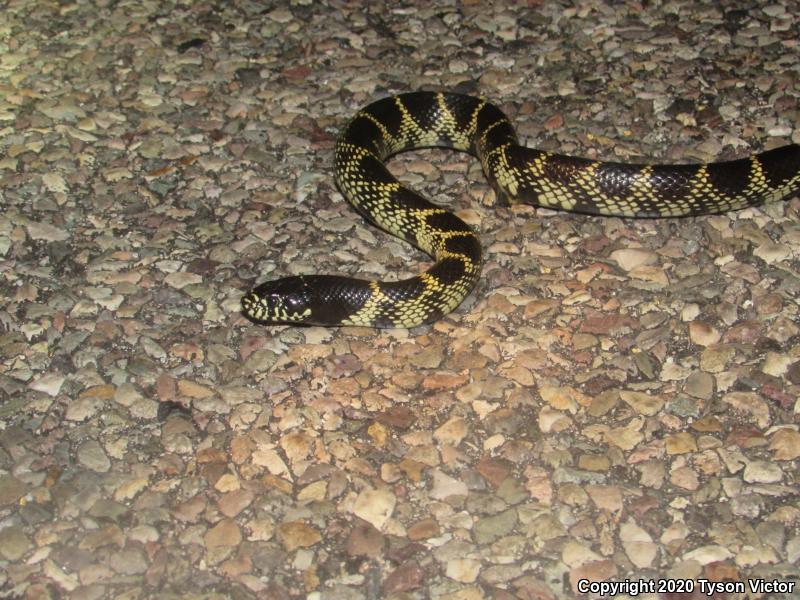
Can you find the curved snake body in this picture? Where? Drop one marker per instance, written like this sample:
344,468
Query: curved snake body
517,174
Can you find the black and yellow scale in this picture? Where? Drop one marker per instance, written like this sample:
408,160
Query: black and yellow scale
517,174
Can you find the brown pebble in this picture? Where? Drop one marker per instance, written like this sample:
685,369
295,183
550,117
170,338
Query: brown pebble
364,540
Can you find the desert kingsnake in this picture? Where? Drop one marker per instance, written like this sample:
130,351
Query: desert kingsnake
516,173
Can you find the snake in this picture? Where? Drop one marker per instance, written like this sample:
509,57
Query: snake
517,174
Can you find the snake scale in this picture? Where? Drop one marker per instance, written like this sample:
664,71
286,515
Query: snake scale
518,174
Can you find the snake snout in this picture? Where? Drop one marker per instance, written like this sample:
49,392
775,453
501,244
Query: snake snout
280,301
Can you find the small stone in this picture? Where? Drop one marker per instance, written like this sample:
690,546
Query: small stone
708,554
626,437
577,553
189,510
643,404
638,544
703,334
129,489
445,486
749,403
375,506
776,364
423,530
793,550
594,462
771,252
52,571
364,540
606,497
128,561
49,383
296,534
785,443
227,483
297,446
464,570
630,258
602,403
680,443
595,570
47,232
700,385
443,381
452,431
793,373
92,456
564,398
182,279
379,434
280,15
429,358
54,182
490,528
512,491
761,471
225,533
690,312
83,408
684,477
707,424
715,358
494,470
408,576
261,530
13,543
313,492
232,503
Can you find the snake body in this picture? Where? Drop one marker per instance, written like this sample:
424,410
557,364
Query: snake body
517,174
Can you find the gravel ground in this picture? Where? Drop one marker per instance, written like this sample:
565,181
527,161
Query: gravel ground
617,400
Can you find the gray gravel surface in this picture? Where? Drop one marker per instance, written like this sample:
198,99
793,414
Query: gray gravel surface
618,400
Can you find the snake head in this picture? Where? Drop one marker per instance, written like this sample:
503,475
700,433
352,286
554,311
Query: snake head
286,300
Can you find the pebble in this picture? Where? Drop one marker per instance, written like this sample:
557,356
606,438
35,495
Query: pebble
452,431
49,384
296,534
375,506
776,364
771,253
703,334
759,471
223,534
700,385
785,443
595,570
642,403
234,502
638,545
631,258
680,443
708,554
405,578
444,486
92,456
749,404
464,570
14,544
488,529
365,540
46,232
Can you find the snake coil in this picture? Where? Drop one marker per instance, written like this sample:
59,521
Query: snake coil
517,174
